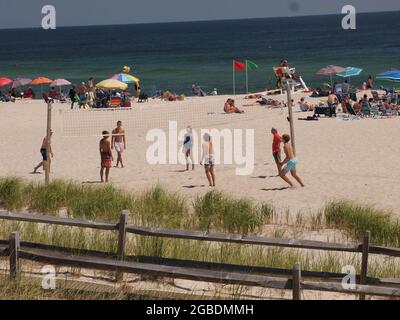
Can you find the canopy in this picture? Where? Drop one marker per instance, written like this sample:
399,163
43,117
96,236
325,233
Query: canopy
60,83
126,78
41,80
330,70
350,72
5,81
111,84
392,75
20,82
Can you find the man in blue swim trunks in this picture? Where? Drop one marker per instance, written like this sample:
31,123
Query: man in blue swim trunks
290,161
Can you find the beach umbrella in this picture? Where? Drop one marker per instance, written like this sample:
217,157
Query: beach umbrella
350,72
392,75
20,82
60,83
5,81
41,81
111,84
125,78
330,71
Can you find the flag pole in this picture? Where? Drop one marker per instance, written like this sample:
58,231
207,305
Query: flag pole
233,72
247,79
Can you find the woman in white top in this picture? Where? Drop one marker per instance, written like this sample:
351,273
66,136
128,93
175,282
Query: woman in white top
208,159
187,147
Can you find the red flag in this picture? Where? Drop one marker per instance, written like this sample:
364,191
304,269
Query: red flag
239,66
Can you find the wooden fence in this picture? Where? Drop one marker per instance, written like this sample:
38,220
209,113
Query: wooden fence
283,279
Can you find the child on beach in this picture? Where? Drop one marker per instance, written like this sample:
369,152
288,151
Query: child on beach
208,159
187,147
290,161
276,148
105,155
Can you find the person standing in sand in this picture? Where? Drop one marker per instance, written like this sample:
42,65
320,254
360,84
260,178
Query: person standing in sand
276,148
118,141
290,161
208,159
105,156
188,147
44,153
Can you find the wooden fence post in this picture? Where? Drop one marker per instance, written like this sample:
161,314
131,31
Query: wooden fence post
121,239
364,261
14,256
296,281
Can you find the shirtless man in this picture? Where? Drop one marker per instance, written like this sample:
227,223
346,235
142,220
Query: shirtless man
44,153
118,142
105,155
290,161
230,107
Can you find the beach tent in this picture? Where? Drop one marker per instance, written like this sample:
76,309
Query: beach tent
20,82
330,71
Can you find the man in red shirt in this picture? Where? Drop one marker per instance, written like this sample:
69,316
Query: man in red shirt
276,148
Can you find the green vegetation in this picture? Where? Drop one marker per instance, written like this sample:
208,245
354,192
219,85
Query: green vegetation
213,211
356,219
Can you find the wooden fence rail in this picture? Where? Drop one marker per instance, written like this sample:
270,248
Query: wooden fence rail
43,254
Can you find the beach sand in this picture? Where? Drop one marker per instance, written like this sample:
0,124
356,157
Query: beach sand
338,159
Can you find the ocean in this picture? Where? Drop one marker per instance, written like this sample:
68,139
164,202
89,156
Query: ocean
173,56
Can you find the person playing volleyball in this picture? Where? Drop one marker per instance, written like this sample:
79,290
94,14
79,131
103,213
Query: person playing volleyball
105,155
118,142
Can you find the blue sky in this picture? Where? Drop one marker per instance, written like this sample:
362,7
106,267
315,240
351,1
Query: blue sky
27,13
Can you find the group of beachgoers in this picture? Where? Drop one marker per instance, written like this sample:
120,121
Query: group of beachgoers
118,143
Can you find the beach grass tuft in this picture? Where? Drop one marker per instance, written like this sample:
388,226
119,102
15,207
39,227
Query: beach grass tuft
356,219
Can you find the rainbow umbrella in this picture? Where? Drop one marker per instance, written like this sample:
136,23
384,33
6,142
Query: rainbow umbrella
125,78
20,82
5,81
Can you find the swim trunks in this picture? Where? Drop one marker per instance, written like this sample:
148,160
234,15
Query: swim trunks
119,146
291,165
44,154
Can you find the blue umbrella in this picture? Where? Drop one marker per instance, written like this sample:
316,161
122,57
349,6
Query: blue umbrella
392,75
350,72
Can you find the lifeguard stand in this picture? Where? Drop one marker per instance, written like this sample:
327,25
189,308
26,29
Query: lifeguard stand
286,73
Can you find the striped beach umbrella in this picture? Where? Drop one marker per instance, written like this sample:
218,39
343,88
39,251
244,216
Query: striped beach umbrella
350,72
392,75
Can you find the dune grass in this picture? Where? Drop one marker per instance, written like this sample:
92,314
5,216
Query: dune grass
213,211
356,219
217,211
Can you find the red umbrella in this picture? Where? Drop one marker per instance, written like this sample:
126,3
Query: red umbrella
5,81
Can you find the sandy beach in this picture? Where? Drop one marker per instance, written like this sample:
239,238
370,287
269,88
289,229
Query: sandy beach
338,159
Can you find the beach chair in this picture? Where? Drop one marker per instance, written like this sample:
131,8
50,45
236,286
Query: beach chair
115,102
375,96
365,109
375,112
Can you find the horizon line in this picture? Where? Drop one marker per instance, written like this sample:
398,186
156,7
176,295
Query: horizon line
199,20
